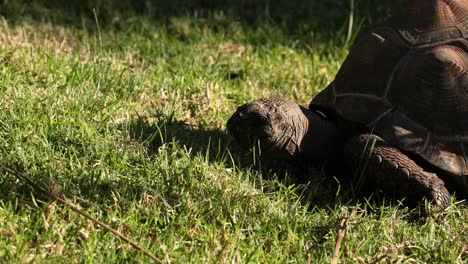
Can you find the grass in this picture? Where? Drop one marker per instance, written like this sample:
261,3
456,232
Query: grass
122,108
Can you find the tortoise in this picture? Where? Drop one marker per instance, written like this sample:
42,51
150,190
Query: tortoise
397,109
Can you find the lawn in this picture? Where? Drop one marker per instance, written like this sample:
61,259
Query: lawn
120,106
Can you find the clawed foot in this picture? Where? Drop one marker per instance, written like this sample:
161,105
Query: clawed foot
386,168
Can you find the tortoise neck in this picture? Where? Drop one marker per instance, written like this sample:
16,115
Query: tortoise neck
322,139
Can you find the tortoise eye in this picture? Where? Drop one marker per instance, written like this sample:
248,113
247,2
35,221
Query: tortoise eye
261,119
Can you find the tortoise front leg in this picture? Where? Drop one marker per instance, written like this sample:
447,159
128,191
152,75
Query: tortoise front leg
384,167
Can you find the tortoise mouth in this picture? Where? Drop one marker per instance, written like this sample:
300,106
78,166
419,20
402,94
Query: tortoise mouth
245,132
253,134
248,127
269,125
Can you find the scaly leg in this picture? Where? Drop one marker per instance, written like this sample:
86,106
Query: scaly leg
384,167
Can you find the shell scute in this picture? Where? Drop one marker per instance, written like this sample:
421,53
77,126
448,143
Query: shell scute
407,80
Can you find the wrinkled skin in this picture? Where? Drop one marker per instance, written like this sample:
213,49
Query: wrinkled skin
283,130
277,127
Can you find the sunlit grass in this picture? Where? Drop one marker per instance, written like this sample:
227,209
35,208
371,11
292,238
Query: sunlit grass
127,120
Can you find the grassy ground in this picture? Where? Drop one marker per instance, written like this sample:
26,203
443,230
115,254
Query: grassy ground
122,108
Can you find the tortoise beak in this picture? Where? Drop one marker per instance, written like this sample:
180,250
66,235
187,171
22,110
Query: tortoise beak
244,123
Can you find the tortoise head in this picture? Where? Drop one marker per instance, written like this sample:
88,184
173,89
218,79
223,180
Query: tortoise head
275,126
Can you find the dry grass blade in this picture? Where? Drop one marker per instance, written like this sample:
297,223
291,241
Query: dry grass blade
73,207
342,232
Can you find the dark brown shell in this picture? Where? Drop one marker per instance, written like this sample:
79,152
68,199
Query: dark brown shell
406,80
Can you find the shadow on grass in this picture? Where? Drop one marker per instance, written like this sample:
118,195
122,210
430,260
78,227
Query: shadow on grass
216,146
311,186
211,143
318,188
300,20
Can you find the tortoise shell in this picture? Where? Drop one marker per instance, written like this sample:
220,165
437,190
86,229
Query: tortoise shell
406,80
